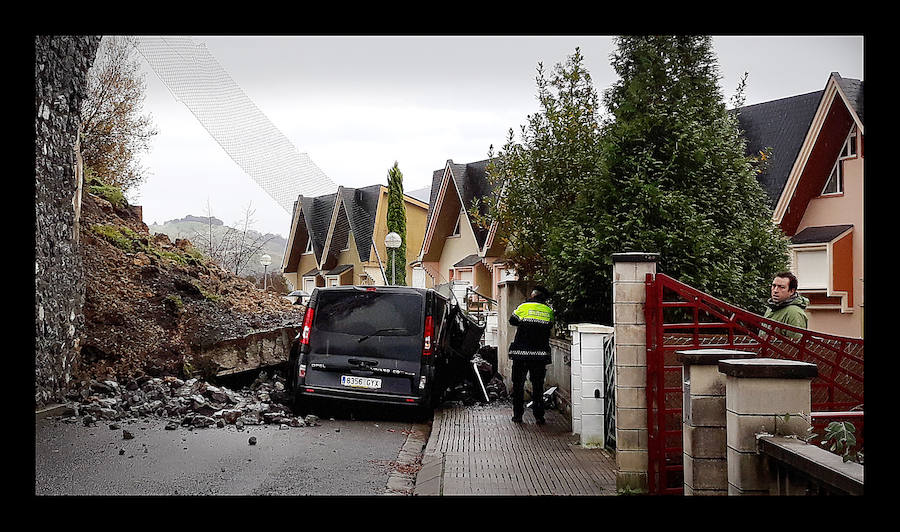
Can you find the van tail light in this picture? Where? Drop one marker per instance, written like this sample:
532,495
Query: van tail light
307,324
429,336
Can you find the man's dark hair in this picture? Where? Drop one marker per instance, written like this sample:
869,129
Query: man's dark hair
792,279
540,294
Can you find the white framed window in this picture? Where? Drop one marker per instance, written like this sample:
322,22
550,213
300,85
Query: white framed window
418,277
835,182
309,284
455,231
811,266
849,149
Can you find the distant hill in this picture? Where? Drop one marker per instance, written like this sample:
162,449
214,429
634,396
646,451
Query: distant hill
201,219
191,227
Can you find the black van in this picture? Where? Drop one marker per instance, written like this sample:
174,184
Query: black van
384,344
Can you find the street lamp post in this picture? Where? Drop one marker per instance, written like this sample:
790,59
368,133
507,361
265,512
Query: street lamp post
265,260
392,241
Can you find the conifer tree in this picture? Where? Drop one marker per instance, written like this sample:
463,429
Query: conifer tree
678,178
664,171
396,222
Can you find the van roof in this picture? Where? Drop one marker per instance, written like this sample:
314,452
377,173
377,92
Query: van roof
348,288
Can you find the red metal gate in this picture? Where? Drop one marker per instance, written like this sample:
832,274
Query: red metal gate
680,317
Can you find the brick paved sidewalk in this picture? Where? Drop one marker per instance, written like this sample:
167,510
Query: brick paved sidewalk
477,450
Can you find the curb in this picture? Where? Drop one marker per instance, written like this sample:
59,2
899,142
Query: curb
53,410
430,479
403,482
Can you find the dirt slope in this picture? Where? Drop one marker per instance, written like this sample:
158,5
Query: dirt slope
151,303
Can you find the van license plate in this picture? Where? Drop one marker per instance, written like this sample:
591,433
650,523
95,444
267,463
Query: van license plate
360,382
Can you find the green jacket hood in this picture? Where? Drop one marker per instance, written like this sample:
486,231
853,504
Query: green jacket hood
796,300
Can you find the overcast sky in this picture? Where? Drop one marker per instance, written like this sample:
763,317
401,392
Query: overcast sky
356,104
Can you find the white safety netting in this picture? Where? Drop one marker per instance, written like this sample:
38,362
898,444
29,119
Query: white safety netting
195,78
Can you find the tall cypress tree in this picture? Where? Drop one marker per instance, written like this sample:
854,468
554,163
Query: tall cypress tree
396,222
665,171
678,179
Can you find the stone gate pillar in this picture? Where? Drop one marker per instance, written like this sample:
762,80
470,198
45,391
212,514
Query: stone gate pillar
762,395
629,296
703,428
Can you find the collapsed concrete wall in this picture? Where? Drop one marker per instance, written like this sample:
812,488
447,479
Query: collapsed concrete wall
60,80
254,351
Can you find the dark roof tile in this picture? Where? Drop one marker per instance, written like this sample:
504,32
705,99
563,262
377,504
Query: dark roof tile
782,125
819,235
339,269
471,260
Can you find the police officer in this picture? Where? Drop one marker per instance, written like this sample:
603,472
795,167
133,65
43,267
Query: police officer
530,352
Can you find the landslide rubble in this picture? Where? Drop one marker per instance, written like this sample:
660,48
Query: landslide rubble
152,306
192,403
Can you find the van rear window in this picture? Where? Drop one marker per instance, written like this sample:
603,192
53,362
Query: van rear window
362,313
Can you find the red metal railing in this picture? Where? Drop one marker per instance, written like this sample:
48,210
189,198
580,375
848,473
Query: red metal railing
680,317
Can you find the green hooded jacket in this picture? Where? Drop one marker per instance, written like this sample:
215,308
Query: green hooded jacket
790,311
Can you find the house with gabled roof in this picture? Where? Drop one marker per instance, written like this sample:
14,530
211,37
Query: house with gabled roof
338,239
815,180
454,248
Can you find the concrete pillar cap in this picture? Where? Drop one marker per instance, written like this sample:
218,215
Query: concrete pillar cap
591,328
710,356
768,368
635,256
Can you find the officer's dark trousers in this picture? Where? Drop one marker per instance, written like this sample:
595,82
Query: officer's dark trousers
536,371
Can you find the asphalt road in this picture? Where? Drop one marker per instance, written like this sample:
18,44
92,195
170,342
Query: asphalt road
341,456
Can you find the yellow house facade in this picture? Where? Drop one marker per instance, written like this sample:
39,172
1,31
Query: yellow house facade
338,239
456,248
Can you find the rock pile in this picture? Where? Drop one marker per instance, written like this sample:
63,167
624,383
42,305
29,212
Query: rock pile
191,403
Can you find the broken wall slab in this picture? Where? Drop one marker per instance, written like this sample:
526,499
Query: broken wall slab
253,351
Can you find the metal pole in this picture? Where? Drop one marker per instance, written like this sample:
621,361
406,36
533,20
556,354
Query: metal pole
265,278
393,266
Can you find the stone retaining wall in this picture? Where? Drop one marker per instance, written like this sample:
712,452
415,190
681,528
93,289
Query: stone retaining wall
60,80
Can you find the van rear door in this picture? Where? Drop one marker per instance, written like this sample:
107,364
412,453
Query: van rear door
367,340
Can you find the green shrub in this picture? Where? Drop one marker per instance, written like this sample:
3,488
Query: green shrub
110,193
208,295
174,301
840,434
121,237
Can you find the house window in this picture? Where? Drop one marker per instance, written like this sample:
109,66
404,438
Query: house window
309,284
308,246
455,229
812,269
849,149
835,183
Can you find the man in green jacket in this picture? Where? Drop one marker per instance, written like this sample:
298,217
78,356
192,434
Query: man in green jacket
786,305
